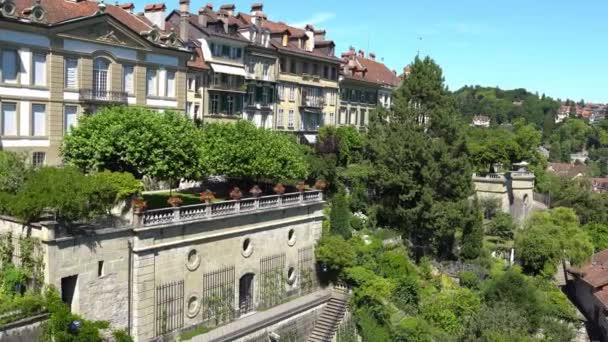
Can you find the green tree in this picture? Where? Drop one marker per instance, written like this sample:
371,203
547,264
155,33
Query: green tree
335,252
136,140
502,226
12,172
339,217
598,233
242,150
550,237
472,233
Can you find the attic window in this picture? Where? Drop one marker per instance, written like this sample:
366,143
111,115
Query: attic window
37,13
153,36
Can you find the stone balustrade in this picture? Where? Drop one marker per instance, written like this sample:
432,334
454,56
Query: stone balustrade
208,211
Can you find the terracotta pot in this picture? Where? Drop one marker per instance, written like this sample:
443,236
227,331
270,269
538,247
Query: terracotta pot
207,196
255,191
236,194
139,205
321,184
301,186
175,201
279,189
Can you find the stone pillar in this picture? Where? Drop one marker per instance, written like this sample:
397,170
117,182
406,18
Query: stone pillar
143,296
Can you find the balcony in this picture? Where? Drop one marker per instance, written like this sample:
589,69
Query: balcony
203,212
227,86
313,102
95,95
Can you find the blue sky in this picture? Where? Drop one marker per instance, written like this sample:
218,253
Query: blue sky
559,47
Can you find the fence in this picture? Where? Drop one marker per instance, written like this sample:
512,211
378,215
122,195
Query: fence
227,208
218,295
307,274
169,307
272,281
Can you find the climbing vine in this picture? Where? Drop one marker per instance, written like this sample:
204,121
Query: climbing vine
6,249
272,288
30,255
218,306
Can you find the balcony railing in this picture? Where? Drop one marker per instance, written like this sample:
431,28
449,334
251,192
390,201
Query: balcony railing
229,87
201,212
97,95
313,102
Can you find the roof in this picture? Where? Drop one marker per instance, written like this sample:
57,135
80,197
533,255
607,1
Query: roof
567,170
198,61
62,11
360,68
594,272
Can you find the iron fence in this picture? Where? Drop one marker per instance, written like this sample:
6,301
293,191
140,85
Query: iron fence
218,295
272,280
169,314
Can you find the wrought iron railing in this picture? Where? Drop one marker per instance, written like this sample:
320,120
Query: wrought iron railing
313,102
103,95
226,208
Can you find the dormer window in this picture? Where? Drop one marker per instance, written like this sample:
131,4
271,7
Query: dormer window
37,14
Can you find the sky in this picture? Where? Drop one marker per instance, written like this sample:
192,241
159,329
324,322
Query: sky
556,47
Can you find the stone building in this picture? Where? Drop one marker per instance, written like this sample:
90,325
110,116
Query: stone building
61,59
175,268
364,84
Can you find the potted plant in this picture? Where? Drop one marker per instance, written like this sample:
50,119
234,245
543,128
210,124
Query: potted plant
321,184
255,191
236,194
301,186
279,189
139,205
175,201
207,196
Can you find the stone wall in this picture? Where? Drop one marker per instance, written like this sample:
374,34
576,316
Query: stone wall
25,330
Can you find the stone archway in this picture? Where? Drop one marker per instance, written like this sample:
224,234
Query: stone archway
246,293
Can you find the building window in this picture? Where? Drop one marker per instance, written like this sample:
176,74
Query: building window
71,117
292,92
100,270
290,119
326,72
170,90
230,104
292,67
342,116
353,117
151,82
100,77
128,79
332,118
38,159
305,68
39,69
215,103
189,107
265,70
10,66
192,83
362,118
196,110
280,90
71,73
334,73
9,118
38,120
280,118
315,69
282,64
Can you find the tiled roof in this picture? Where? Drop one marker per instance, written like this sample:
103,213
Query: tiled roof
198,61
594,272
374,71
565,169
602,296
155,7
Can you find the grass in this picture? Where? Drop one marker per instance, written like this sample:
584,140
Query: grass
188,335
159,200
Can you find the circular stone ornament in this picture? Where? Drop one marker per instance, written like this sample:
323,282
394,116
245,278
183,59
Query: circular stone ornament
193,260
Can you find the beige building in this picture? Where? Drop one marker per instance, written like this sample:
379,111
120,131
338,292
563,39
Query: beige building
365,84
62,59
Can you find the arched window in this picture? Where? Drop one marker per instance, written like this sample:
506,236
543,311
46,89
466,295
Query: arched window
100,77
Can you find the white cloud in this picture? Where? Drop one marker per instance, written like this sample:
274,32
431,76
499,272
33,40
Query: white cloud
318,18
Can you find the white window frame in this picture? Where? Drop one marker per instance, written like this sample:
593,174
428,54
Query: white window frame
170,84
66,73
280,117
66,122
39,129
35,159
290,119
125,81
17,65
39,77
151,82
16,118
292,93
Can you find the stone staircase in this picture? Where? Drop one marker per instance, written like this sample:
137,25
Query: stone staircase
327,324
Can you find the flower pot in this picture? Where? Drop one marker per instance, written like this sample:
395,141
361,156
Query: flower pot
301,186
175,201
255,191
139,205
321,184
207,196
279,189
236,194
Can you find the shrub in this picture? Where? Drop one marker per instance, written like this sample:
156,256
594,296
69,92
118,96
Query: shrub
339,217
11,277
469,280
356,223
335,252
502,226
121,336
12,172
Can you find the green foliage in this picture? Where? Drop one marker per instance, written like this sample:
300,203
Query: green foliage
468,279
11,277
135,140
122,336
187,336
242,150
570,137
416,329
121,185
502,226
356,223
12,172
472,233
6,249
16,307
335,252
407,294
358,198
550,237
339,216
450,310
370,328
598,233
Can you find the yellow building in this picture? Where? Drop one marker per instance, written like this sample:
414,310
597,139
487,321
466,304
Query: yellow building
61,59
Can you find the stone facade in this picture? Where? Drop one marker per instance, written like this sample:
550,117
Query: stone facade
152,277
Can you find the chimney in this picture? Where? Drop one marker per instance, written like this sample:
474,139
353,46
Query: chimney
156,14
310,34
184,16
202,15
229,8
372,56
129,7
361,53
209,6
257,8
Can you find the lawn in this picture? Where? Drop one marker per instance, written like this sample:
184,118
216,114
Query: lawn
159,200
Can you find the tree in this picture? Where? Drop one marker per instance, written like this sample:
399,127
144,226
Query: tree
242,150
598,233
135,140
472,233
339,216
335,252
12,172
502,226
550,237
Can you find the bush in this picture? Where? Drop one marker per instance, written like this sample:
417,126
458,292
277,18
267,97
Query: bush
121,336
335,252
469,280
356,223
339,216
12,172
502,226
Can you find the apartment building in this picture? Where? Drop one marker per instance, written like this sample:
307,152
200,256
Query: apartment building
63,59
365,83
220,91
